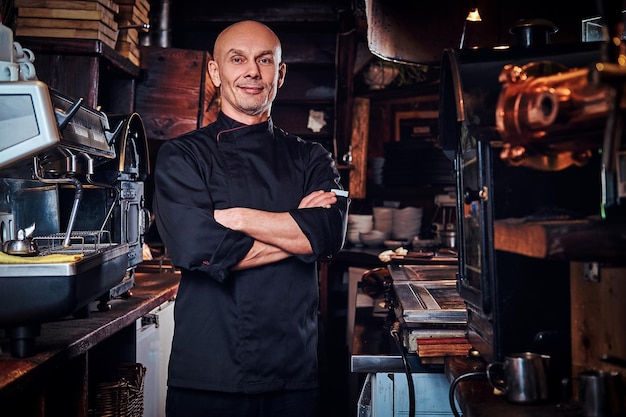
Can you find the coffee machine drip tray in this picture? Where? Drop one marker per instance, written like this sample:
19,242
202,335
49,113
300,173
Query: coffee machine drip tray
35,293
91,258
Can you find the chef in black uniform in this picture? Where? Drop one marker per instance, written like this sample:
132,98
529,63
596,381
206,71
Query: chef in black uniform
246,210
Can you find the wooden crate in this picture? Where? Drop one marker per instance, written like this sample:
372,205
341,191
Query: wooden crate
131,13
67,19
176,94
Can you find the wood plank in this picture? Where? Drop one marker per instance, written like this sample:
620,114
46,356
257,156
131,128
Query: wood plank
584,240
133,14
129,50
44,13
122,46
176,95
443,347
61,55
359,141
597,312
128,35
34,22
138,2
143,5
70,4
66,33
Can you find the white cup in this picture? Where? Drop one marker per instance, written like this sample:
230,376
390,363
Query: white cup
27,71
22,54
9,71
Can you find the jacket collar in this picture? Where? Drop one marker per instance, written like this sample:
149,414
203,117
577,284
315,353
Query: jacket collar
225,124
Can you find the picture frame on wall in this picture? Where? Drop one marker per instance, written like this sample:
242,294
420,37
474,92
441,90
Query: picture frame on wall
416,124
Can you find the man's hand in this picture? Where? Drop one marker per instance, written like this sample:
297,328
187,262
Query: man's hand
275,229
318,198
231,217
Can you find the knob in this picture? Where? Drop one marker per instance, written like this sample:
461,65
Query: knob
470,195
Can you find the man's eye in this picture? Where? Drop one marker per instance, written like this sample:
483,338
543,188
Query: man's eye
265,61
236,60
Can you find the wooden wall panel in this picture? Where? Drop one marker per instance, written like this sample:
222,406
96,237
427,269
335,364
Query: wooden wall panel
176,94
359,141
598,313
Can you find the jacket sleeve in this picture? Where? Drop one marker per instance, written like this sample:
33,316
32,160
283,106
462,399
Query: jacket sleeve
325,228
184,215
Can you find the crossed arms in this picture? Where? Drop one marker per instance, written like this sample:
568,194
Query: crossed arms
276,236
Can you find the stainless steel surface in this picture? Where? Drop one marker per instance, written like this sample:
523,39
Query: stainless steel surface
447,238
522,377
430,302
92,258
36,293
23,245
423,272
86,130
7,227
86,178
379,363
373,348
27,125
601,393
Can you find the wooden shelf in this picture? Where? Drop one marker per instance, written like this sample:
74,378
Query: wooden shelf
573,240
92,47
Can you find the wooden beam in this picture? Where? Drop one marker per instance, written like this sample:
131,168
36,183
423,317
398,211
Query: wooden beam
358,141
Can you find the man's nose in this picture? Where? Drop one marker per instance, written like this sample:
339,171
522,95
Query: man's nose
252,69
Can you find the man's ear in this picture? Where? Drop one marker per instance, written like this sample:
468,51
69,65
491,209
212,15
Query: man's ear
214,73
282,70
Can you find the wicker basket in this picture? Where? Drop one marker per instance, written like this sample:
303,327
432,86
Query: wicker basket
124,397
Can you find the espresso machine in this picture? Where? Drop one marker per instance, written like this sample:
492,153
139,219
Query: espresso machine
71,209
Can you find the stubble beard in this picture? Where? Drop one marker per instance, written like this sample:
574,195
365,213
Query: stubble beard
254,106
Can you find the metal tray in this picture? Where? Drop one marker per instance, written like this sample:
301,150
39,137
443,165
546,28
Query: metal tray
429,302
36,293
423,272
91,259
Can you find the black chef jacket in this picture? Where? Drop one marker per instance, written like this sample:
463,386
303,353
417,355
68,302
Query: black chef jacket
253,330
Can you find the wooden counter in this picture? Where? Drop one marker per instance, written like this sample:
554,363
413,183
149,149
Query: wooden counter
55,381
476,397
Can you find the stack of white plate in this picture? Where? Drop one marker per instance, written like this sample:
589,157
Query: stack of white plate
359,223
407,223
383,220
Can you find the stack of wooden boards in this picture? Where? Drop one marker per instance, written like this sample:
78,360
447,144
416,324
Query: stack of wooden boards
115,23
133,14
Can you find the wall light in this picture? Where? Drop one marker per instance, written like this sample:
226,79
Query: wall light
473,15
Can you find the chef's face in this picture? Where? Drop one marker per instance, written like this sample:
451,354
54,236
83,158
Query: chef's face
247,68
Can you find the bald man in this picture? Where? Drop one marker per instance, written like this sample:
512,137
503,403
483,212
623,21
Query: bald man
246,210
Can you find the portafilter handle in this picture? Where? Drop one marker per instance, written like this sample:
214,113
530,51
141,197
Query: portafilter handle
63,118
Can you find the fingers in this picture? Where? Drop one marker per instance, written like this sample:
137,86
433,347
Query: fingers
318,198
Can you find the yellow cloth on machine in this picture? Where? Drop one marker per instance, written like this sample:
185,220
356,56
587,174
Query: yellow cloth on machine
54,258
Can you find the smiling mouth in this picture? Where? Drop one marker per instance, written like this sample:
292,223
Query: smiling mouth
251,89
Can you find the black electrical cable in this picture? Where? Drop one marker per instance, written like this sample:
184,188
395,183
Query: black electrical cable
407,368
453,387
